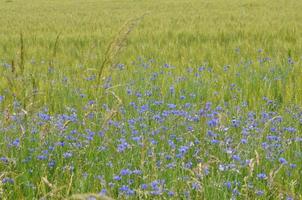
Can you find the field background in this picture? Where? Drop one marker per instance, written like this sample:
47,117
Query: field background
48,49
182,33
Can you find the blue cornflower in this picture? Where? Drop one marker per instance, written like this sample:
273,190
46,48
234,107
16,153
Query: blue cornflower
228,184
289,198
236,157
171,106
282,161
171,193
236,192
243,141
7,180
117,178
155,185
103,192
188,165
195,186
4,159
144,108
52,163
125,189
67,155
182,97
44,116
235,123
125,172
123,145
214,141
259,192
41,157
213,122
261,176
144,186
183,149
172,90
16,142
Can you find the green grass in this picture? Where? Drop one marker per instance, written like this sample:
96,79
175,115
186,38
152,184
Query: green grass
48,49
177,32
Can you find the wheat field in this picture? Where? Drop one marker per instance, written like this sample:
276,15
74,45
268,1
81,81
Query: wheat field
135,99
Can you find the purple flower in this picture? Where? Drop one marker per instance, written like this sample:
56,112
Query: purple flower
144,186
171,193
195,186
261,176
126,190
117,178
183,149
103,192
44,116
41,157
213,122
214,141
67,155
125,172
171,106
259,192
282,161
144,108
7,180
52,163
236,157
228,184
16,142
172,90
4,159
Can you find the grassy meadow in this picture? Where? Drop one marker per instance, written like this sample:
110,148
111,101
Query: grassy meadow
151,99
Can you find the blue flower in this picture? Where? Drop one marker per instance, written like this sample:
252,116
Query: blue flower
103,192
125,172
282,161
4,159
67,155
16,142
41,157
144,108
236,157
52,163
144,186
171,193
183,149
228,184
259,192
172,90
126,190
214,141
44,116
171,106
7,180
213,122
117,178
195,186
261,176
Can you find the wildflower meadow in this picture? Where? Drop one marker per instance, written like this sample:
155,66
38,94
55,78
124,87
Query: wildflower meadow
151,99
